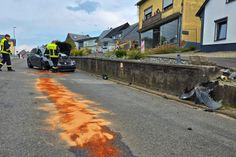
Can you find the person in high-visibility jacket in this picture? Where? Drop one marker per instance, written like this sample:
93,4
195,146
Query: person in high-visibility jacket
53,51
6,52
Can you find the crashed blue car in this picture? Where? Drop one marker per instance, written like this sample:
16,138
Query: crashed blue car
39,59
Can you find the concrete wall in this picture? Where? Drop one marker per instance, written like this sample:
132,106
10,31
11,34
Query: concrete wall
171,79
227,94
215,10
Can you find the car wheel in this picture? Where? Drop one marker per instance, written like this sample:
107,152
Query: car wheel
29,64
44,66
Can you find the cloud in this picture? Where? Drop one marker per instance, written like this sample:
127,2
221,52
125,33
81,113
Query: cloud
41,21
24,47
87,6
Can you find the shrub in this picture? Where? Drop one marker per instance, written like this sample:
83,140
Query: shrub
82,52
164,49
74,52
110,54
135,54
192,48
86,52
120,53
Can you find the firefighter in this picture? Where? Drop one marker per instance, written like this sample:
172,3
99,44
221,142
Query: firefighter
6,52
53,52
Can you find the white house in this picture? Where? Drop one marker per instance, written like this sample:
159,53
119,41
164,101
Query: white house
91,43
218,25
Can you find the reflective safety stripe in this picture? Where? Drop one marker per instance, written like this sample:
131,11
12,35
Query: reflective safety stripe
1,63
9,66
52,50
3,50
55,67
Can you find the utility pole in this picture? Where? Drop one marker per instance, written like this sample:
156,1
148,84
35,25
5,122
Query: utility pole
14,35
14,32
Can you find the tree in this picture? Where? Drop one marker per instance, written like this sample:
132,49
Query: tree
71,42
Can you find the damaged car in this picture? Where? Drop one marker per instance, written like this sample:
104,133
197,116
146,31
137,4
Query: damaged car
38,58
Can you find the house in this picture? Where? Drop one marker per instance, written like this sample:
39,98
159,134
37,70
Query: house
169,22
90,43
129,37
105,44
12,43
218,25
23,54
74,38
107,40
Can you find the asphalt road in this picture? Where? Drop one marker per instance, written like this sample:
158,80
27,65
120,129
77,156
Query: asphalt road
225,62
91,117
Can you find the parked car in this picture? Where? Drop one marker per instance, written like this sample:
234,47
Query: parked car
38,59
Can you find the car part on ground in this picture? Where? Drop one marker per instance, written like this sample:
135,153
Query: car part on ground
227,75
201,94
105,77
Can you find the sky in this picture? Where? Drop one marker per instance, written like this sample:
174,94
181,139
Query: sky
38,22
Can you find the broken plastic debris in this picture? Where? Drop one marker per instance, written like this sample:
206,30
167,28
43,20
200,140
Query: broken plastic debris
232,76
201,95
227,75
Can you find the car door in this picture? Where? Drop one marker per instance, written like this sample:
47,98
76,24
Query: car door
32,57
38,58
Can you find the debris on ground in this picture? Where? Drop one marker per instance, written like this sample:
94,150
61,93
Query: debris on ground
178,59
190,129
201,94
104,77
232,76
227,75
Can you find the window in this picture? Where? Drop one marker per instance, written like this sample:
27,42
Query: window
228,1
148,38
39,52
167,4
221,29
105,44
148,13
169,33
34,51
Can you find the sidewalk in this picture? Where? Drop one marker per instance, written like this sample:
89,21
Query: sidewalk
224,59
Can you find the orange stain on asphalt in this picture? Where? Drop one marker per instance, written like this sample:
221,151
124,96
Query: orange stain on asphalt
46,72
80,124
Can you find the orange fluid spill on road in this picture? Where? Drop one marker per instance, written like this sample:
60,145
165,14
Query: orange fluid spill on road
80,125
46,72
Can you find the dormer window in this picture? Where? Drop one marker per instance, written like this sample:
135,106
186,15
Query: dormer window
148,13
228,1
167,4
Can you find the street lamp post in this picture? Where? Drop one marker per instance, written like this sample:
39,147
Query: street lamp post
14,35
14,32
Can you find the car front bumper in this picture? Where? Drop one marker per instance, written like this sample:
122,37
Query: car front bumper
66,68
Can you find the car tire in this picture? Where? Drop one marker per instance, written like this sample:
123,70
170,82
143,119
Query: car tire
44,66
29,64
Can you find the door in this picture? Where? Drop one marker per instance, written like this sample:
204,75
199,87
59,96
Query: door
156,37
38,58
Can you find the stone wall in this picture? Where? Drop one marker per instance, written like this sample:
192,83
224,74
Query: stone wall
171,79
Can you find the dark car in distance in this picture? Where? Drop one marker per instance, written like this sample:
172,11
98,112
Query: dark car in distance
39,59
